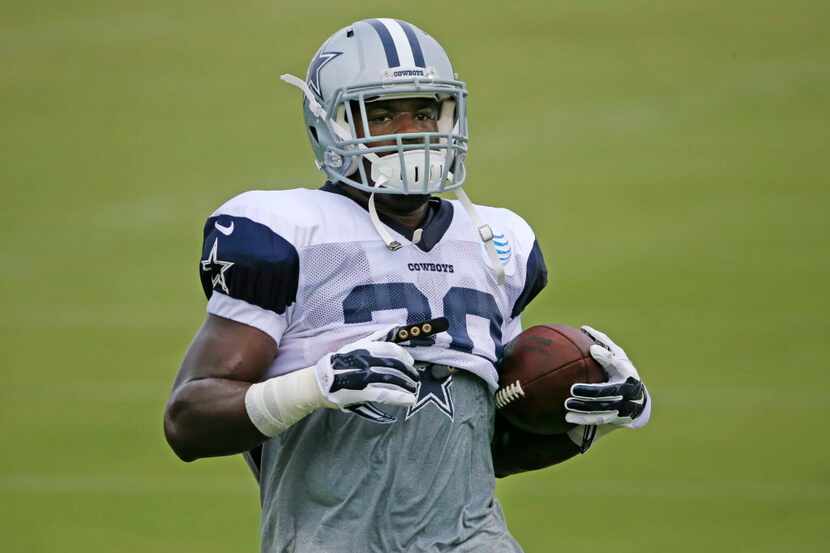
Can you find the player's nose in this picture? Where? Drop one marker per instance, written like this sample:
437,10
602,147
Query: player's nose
410,123
405,122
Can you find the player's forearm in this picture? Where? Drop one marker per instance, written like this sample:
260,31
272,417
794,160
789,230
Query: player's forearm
207,418
515,451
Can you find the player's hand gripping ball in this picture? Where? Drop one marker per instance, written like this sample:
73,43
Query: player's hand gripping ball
621,402
536,374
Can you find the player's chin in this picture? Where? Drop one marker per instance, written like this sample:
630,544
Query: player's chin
401,204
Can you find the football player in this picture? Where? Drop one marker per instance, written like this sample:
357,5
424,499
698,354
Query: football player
366,430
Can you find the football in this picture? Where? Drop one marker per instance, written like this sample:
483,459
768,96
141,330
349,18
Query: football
536,373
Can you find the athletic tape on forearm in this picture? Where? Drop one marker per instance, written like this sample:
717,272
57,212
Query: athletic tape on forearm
277,403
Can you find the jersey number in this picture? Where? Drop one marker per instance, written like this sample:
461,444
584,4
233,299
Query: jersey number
459,302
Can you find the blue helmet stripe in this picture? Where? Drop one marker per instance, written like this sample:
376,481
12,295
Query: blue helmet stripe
417,53
388,43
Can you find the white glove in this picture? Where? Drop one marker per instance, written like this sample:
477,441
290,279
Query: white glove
623,401
361,372
368,370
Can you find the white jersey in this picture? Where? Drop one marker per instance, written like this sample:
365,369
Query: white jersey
308,268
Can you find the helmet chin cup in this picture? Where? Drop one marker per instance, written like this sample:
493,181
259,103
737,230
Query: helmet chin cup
417,177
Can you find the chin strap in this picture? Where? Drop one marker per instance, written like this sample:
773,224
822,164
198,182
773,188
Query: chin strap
391,244
485,233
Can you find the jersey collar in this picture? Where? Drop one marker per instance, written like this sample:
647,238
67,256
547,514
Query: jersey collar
438,218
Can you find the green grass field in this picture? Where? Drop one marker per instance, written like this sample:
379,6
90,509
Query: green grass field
672,157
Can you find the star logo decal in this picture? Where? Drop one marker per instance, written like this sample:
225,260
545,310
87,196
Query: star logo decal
314,71
433,390
216,267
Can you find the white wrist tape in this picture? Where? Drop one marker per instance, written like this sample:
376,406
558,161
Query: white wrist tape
277,403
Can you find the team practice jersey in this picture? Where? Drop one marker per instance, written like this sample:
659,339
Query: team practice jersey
308,268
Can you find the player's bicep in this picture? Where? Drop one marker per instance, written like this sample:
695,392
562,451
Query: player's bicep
227,349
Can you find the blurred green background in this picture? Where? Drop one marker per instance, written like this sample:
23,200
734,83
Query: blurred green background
672,157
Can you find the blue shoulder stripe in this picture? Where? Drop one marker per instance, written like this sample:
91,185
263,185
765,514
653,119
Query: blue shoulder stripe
248,261
535,281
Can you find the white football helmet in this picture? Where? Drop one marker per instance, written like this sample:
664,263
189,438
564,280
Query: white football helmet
381,59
